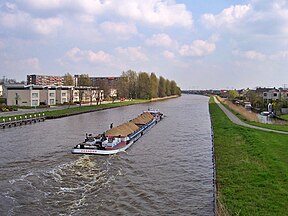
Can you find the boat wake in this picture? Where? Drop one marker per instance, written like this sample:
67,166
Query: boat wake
68,185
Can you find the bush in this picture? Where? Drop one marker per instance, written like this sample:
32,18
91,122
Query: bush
5,108
3,101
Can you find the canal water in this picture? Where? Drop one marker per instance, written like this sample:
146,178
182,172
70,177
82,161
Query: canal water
169,171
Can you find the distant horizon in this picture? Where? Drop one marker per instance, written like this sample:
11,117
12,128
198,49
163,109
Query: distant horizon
199,44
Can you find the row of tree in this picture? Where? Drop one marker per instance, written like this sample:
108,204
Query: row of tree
145,86
132,85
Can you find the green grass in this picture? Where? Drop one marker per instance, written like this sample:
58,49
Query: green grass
76,110
84,109
251,167
284,117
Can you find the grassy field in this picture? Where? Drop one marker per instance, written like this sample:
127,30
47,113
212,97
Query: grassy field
75,110
251,167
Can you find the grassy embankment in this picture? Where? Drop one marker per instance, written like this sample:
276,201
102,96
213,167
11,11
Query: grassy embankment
76,110
251,167
251,118
83,109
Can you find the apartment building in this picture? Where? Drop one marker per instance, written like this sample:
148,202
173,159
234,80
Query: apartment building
45,80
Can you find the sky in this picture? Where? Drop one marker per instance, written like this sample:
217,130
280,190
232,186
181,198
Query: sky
201,44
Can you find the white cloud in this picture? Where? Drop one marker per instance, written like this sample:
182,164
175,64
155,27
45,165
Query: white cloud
228,16
47,26
254,55
120,28
159,12
259,56
168,55
100,56
31,63
160,40
279,55
13,20
76,55
80,6
133,53
197,48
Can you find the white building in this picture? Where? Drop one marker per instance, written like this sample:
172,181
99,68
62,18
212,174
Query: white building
33,95
62,95
1,91
21,95
48,96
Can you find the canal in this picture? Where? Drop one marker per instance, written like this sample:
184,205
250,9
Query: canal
169,171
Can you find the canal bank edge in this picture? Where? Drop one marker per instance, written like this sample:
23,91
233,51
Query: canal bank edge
113,105
87,109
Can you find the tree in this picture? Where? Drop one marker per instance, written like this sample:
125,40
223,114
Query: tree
162,87
68,80
255,99
132,83
81,95
84,80
173,86
143,86
232,94
103,85
154,85
123,86
168,87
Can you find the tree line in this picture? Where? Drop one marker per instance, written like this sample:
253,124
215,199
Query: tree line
133,85
143,85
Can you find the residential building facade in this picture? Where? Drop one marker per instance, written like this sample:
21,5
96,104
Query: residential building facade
272,95
48,96
45,80
62,95
33,95
21,95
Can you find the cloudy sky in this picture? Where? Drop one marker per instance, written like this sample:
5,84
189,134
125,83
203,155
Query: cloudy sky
199,44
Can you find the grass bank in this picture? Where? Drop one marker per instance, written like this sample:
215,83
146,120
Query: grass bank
81,109
251,168
74,110
86,109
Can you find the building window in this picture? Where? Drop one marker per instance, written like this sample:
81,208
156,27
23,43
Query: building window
64,100
265,94
51,94
275,94
63,94
52,101
34,102
35,95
